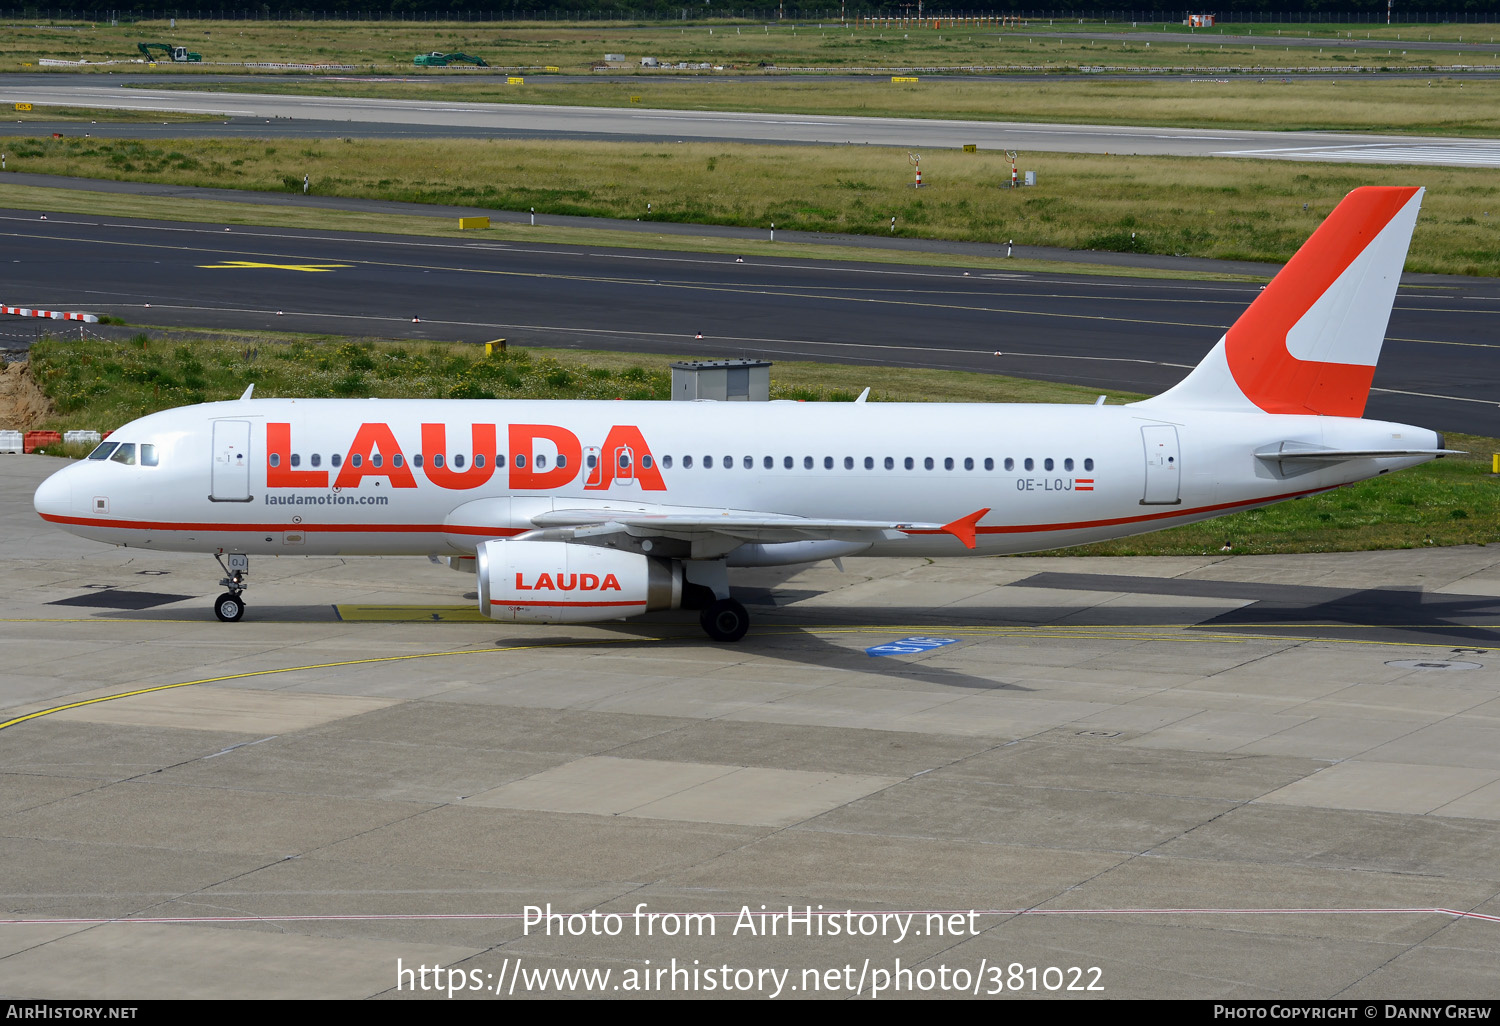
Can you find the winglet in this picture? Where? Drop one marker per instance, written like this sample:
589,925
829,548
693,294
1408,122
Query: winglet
963,529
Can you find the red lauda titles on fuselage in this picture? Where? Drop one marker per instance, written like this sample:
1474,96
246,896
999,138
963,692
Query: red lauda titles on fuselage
624,456
568,582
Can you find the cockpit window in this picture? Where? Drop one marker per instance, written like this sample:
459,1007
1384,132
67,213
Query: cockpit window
125,454
148,455
102,450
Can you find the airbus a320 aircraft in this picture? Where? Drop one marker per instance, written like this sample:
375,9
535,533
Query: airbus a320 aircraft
587,511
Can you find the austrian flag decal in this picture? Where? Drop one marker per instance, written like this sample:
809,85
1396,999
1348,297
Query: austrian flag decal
1083,484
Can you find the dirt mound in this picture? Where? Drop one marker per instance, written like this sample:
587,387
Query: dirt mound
22,405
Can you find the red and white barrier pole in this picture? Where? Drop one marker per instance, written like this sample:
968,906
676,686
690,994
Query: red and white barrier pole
56,315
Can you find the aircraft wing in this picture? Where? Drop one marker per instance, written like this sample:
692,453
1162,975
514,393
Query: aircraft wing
697,525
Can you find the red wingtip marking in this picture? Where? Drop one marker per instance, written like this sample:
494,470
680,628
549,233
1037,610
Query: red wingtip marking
963,529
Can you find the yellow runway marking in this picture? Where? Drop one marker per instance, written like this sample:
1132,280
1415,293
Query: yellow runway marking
321,666
237,265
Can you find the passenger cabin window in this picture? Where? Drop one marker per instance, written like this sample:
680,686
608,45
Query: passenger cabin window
337,459
357,459
1030,463
102,450
375,459
666,461
541,461
1047,463
769,462
125,454
1068,463
807,463
396,460
416,460
1010,464
869,462
275,459
1088,464
316,459
458,461
296,460
909,463
848,462
687,462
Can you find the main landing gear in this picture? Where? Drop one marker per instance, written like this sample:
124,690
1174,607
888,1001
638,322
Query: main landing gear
230,606
724,620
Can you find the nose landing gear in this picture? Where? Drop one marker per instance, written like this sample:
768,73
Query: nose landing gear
230,606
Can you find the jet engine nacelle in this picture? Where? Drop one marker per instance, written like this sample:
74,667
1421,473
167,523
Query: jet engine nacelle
563,582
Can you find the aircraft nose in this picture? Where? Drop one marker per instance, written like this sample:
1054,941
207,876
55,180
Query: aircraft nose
54,496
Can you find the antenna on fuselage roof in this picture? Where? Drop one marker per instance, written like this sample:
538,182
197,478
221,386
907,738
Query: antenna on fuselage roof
248,391
864,395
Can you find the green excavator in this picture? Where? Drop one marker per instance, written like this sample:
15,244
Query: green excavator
438,59
176,54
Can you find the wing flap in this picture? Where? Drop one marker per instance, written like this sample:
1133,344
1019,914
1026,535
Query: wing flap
745,526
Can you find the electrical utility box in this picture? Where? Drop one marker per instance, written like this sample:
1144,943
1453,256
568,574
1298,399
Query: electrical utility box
731,380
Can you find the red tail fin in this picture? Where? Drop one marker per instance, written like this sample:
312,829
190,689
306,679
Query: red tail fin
1309,343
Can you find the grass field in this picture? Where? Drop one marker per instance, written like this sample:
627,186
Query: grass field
91,115
101,385
388,47
1422,106
1241,209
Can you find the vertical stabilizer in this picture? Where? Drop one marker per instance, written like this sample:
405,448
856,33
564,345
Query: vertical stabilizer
1310,341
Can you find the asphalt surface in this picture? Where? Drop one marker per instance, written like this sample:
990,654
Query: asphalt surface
1438,368
521,120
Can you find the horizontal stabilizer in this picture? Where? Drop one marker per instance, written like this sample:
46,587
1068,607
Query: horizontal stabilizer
1339,455
1295,458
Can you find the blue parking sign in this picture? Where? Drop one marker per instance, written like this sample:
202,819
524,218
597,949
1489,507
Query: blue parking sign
909,646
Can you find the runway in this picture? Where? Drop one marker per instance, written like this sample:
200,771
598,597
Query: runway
1113,334
351,116
1188,777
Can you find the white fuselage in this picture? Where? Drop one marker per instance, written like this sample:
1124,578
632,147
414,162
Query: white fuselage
279,476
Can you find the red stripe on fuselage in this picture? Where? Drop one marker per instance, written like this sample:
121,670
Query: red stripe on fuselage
152,525
161,525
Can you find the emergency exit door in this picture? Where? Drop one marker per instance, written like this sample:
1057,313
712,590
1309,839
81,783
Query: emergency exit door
231,469
1163,466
